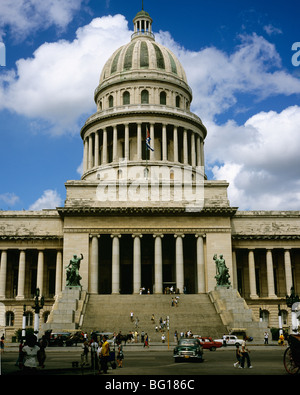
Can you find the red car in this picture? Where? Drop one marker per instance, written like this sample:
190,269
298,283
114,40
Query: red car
209,343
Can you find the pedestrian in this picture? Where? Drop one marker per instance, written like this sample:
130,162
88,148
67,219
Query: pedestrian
176,337
104,355
120,356
163,337
131,316
146,342
30,351
281,339
238,356
2,344
245,355
94,348
224,340
20,359
266,337
84,354
43,343
142,336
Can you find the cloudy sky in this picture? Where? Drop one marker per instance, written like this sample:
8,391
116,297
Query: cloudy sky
242,63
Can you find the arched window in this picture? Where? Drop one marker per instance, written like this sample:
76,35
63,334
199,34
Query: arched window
145,97
178,101
110,101
265,316
163,98
126,98
9,318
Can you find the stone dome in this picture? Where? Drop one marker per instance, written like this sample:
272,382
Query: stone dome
142,55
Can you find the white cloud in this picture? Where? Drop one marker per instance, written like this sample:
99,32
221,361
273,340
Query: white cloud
260,159
9,199
49,200
216,77
57,83
24,17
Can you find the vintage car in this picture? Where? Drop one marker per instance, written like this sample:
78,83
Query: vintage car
188,350
230,340
208,343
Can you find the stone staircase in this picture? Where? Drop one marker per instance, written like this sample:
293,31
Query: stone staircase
111,313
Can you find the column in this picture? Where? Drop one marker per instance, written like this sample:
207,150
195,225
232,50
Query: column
90,161
58,274
164,142
252,280
94,269
136,263
40,272
198,147
175,143
115,143
104,147
152,141
139,141
234,270
126,144
288,271
185,147
115,264
158,273
21,276
270,274
193,149
96,153
3,271
200,265
179,263
85,155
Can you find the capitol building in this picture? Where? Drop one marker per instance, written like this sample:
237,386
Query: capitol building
144,215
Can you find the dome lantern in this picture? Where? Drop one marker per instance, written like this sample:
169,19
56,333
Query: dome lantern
142,25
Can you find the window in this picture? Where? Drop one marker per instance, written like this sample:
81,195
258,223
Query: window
110,101
126,98
9,318
178,101
163,98
145,97
29,318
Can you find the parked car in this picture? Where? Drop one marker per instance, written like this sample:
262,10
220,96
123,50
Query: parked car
231,340
188,350
58,339
208,343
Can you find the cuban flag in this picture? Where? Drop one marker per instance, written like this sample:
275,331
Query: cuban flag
148,140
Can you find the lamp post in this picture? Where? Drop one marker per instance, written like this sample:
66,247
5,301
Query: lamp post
280,321
24,322
38,305
293,301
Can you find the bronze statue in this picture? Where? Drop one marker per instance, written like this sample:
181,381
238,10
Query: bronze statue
222,272
73,277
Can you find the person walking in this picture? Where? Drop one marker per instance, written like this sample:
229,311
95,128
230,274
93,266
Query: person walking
30,351
120,356
238,356
84,354
104,355
245,355
2,344
94,359
266,337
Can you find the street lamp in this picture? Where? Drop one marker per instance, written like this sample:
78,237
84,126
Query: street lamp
24,322
38,305
293,301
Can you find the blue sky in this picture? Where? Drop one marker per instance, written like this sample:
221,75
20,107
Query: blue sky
238,60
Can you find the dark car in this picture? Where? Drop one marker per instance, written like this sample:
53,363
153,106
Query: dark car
188,350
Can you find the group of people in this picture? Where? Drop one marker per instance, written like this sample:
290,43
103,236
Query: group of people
242,355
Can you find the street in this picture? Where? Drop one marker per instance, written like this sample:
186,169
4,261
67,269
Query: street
157,361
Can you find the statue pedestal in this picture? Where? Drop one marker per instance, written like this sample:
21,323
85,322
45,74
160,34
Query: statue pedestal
67,308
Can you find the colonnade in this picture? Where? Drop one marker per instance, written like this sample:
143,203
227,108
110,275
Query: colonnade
158,263
22,269
269,267
187,145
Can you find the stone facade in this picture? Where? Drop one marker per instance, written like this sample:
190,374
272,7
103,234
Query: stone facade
144,213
